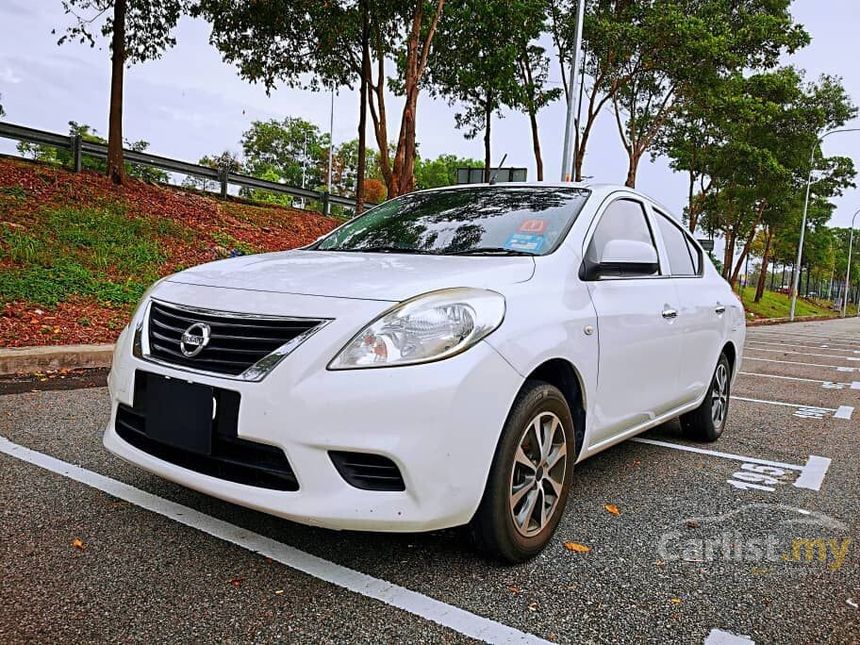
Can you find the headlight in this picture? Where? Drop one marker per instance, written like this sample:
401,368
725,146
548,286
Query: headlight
426,328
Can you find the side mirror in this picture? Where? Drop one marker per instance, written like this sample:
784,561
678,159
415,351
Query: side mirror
624,258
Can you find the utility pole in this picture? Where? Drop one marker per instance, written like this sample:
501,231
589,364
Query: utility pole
573,96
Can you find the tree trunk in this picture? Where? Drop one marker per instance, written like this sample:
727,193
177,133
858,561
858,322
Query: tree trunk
115,164
691,211
743,256
488,159
362,111
536,145
762,276
632,167
729,254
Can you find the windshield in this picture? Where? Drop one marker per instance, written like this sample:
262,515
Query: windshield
464,221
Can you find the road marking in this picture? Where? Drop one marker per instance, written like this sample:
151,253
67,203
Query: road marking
838,368
844,412
798,345
785,351
719,637
829,385
804,411
824,339
811,474
459,620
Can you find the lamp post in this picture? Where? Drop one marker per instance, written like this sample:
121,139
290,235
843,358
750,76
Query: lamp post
848,269
573,97
796,284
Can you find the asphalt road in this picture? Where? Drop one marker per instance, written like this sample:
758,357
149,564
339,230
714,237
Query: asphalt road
754,537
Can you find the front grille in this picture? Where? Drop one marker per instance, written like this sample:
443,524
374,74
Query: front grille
235,343
232,459
367,471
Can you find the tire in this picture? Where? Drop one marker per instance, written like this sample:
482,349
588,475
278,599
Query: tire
707,422
495,529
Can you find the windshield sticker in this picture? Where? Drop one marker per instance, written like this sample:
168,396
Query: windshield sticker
533,226
525,242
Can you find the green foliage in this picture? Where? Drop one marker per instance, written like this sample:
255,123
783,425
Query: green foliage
292,151
149,25
98,253
441,171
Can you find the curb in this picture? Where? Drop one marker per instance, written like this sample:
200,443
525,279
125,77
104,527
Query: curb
779,321
26,360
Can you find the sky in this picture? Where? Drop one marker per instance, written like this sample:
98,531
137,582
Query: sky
190,103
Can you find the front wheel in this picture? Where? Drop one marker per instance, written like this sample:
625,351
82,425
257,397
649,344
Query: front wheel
530,477
707,422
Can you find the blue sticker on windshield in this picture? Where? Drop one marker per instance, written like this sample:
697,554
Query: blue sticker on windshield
525,242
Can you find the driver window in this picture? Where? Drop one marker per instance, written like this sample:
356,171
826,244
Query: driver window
623,219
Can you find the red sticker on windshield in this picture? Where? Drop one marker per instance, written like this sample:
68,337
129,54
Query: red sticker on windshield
533,226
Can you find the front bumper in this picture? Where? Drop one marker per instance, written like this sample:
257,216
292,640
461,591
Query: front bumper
438,422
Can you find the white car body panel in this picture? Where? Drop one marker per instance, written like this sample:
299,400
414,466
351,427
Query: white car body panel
439,422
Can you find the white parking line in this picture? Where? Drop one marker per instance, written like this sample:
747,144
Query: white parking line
785,351
838,368
804,411
811,474
830,385
801,345
824,339
719,637
454,618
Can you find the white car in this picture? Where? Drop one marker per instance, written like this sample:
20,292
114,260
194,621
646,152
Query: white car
444,359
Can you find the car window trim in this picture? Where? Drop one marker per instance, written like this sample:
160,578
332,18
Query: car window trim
660,212
595,221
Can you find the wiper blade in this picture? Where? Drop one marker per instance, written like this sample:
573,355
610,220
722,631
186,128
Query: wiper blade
491,250
384,249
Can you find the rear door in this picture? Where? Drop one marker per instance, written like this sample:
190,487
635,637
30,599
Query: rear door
701,309
638,332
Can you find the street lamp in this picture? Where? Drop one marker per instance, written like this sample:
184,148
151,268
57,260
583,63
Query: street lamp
797,265
848,270
573,97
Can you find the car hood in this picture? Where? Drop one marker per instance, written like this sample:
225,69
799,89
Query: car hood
367,276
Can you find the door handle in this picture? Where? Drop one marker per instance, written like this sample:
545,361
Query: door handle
720,309
670,314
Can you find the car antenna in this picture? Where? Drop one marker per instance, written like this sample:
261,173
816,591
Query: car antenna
496,171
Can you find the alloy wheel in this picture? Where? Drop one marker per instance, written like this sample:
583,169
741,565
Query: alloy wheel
720,395
537,477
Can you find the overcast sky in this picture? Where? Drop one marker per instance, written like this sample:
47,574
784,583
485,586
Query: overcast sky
190,103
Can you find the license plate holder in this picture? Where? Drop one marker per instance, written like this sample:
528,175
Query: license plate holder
179,414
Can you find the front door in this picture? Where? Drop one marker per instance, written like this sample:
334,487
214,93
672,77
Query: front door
638,332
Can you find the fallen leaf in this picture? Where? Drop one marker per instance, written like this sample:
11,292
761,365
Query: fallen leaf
676,601
577,547
236,582
279,592
514,589
78,543
533,606
612,509
691,524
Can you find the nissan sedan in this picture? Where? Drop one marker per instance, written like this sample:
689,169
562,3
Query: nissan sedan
444,359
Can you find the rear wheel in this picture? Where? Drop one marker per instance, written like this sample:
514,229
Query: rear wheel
706,423
530,477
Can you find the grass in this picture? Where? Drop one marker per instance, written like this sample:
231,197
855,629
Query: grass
98,253
778,305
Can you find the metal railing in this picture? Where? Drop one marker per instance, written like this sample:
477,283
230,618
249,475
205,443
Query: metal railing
78,147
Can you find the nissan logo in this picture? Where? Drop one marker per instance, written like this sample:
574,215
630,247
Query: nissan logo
194,339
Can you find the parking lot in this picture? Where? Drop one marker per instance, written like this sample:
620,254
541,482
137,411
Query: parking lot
753,538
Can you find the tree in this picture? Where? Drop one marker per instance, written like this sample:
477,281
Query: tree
139,30
292,151
475,62
315,44
441,171
227,161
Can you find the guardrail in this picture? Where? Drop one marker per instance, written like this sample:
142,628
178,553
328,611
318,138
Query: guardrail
79,147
